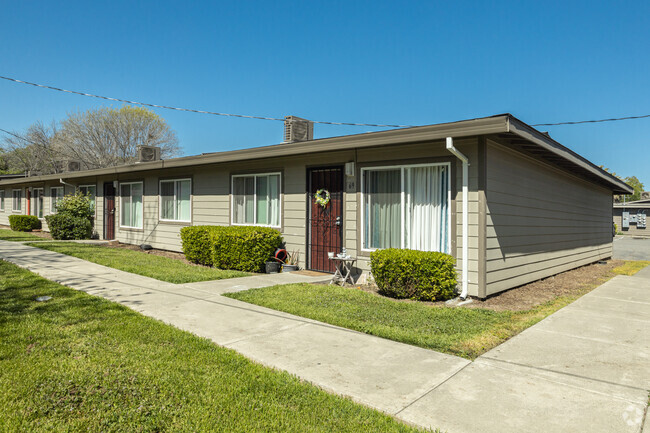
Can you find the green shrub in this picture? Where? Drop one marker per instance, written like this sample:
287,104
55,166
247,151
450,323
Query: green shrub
197,246
242,248
73,219
410,274
24,223
65,227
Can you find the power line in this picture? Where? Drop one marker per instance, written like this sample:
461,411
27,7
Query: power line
615,119
196,111
244,116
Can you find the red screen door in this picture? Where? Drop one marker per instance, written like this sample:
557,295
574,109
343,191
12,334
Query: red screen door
325,222
109,211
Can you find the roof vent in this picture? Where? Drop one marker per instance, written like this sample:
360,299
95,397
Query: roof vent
73,166
297,129
148,154
645,195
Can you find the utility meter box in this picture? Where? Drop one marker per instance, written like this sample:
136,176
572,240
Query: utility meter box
640,221
625,220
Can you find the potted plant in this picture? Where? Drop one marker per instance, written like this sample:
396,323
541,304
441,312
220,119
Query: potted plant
291,262
273,266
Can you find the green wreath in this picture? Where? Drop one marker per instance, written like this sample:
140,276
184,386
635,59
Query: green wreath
322,197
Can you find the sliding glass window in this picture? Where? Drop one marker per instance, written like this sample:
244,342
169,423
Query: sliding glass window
175,200
90,191
406,207
131,205
256,199
16,200
37,196
56,194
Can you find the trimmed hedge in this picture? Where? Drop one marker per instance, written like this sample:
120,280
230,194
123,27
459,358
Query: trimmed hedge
242,248
197,246
24,223
66,227
417,275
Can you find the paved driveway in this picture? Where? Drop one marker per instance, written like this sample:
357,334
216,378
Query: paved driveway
631,248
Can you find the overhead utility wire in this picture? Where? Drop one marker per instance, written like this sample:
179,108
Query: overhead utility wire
196,111
593,121
244,116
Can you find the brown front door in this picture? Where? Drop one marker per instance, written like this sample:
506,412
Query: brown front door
325,222
109,211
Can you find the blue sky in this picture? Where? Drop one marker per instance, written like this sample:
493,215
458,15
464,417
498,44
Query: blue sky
351,61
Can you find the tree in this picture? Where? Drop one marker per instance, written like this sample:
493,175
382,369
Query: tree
633,181
106,137
97,138
35,151
638,188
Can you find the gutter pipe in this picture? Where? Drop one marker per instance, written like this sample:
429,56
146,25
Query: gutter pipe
465,161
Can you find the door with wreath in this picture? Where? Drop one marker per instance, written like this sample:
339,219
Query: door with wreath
325,225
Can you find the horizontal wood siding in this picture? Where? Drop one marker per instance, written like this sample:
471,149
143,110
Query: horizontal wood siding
540,221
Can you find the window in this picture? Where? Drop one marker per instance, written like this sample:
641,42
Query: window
2,200
175,196
406,207
56,194
90,191
37,196
17,200
131,205
256,199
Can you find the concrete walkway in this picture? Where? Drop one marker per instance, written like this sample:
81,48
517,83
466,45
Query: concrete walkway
585,368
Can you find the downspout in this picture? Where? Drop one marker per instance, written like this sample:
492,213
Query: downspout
465,161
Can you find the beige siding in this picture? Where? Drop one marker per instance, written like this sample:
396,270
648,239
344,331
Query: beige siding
540,221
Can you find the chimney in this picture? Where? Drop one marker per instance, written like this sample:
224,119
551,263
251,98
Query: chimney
297,129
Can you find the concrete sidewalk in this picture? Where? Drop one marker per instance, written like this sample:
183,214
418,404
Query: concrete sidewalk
585,368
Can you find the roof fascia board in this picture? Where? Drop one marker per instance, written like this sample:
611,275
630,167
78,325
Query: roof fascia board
463,128
529,133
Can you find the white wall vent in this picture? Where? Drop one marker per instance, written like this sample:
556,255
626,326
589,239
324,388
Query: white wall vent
148,153
297,129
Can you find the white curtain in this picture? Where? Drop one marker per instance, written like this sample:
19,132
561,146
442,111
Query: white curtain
274,200
426,208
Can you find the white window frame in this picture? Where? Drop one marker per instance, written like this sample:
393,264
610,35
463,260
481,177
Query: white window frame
20,201
232,199
55,200
130,195
90,186
35,207
403,198
160,182
2,200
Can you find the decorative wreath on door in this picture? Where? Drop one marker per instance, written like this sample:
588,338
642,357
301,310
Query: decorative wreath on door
322,197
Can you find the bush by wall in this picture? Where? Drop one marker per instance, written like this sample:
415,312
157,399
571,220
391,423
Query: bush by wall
241,248
24,223
410,274
73,219
197,246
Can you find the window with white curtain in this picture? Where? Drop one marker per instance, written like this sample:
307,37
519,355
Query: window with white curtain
256,199
56,194
90,191
406,207
175,197
17,200
131,205
37,196
2,200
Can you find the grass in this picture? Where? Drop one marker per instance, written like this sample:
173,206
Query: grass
458,331
81,363
136,262
10,235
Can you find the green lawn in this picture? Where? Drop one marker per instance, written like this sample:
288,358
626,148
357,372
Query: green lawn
457,331
137,262
10,235
81,363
